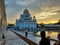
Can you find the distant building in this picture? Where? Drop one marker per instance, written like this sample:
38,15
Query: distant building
10,26
26,22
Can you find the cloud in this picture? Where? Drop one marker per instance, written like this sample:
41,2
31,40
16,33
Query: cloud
42,9
25,2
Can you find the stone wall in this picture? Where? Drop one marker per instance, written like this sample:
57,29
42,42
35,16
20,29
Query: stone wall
3,21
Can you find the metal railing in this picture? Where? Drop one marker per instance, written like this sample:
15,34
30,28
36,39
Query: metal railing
40,36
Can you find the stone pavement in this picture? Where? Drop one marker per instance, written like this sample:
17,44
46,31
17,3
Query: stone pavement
12,39
33,38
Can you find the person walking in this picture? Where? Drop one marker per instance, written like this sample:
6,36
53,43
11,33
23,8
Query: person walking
57,42
26,33
44,40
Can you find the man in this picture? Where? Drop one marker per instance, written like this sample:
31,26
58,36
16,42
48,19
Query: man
44,40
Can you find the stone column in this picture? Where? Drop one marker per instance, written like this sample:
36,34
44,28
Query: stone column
3,22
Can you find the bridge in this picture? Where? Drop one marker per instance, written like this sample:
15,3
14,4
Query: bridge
49,27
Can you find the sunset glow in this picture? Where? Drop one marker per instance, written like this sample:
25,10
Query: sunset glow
45,11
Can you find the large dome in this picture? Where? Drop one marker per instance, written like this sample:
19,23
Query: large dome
26,11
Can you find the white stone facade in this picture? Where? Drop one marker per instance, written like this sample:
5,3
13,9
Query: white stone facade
26,22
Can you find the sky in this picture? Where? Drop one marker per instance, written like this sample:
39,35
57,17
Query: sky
46,11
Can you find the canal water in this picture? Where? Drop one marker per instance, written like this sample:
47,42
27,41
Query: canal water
52,34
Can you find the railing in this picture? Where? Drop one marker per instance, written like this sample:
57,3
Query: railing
29,41
25,39
40,36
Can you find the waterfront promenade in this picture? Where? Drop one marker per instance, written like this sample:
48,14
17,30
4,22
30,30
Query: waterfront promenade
13,39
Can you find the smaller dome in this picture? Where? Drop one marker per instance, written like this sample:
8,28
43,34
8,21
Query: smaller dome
26,11
34,17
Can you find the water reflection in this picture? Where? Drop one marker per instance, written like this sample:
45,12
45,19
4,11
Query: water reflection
52,34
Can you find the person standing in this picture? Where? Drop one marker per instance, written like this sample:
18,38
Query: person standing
26,33
44,40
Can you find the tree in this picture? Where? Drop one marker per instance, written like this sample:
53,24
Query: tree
42,25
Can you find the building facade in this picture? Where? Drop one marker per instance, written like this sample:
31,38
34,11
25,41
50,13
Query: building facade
3,21
26,22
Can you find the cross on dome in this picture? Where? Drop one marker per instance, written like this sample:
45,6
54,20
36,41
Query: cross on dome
26,11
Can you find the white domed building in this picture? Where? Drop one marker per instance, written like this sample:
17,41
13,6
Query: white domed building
26,22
